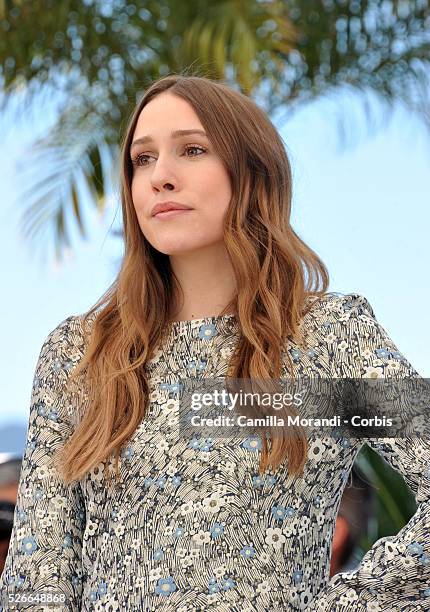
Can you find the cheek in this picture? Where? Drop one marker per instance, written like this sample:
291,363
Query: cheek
141,209
137,194
216,194
217,181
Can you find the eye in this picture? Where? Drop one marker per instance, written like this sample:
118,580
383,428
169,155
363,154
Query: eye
141,158
195,147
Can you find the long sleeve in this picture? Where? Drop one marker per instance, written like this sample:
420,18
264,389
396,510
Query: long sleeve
395,573
45,547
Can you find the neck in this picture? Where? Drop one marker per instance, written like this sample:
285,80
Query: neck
207,280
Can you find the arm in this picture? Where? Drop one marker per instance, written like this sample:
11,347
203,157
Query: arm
45,545
395,573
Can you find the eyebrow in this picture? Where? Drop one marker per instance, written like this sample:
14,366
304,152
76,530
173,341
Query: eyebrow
175,134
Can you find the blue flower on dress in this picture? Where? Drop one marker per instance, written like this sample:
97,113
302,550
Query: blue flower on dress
68,365
270,480
228,584
56,366
202,365
415,548
424,559
278,512
213,588
311,353
248,552
257,482
38,494
295,354
41,410
161,482
19,581
216,530
28,545
176,480
53,415
165,586
382,352
179,531
297,576
204,444
128,452
102,590
317,500
253,443
148,482
425,593
158,554
207,332
94,596
67,541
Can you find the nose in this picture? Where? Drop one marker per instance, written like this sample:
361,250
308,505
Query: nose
163,176
167,185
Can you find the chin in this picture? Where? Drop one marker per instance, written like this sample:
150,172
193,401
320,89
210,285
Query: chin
181,249
182,243
168,249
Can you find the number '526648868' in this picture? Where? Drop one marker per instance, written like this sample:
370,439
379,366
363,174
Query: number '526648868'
23,599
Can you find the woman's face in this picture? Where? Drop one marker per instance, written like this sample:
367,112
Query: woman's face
182,169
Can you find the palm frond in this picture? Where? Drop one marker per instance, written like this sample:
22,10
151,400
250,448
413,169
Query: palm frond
52,194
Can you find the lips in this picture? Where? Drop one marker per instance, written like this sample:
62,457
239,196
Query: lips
164,207
172,213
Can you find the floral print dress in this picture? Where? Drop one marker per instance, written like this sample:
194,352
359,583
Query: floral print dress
193,525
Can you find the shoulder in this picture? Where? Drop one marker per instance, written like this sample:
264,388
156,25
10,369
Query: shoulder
68,332
61,351
338,314
62,348
334,306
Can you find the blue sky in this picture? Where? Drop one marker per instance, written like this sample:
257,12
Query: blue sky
364,210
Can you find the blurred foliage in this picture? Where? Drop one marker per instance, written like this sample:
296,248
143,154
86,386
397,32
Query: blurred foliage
394,501
101,54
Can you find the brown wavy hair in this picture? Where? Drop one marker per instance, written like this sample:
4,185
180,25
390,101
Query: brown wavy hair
275,273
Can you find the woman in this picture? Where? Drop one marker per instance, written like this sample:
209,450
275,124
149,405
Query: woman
220,285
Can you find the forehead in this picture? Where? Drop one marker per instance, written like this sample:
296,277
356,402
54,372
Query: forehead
165,113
